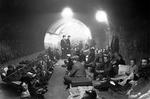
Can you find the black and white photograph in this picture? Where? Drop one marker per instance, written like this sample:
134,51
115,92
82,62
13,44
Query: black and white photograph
74,49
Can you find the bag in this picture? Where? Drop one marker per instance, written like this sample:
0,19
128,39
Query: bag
81,81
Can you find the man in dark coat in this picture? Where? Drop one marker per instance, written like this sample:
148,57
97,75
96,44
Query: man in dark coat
63,45
144,69
68,45
108,72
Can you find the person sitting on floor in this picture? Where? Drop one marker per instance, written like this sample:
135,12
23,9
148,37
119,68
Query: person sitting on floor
89,73
25,94
68,64
77,71
141,79
11,69
90,60
82,57
144,69
91,56
107,67
117,60
133,69
99,66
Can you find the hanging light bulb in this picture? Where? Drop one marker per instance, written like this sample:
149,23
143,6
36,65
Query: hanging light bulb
67,13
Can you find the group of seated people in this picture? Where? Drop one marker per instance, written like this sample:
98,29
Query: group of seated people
32,74
103,68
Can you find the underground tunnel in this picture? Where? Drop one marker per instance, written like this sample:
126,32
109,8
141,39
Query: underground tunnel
78,31
73,27
29,28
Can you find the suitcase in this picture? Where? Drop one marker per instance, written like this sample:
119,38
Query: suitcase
81,81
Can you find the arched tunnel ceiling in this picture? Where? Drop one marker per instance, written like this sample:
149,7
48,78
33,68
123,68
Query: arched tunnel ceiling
121,11
59,25
30,19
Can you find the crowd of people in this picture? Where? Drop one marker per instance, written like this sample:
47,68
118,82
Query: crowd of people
102,68
33,75
88,65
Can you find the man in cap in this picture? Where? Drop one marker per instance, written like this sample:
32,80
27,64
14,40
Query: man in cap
68,45
63,45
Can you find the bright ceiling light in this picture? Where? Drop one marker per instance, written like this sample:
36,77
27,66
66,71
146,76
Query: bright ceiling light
101,16
67,13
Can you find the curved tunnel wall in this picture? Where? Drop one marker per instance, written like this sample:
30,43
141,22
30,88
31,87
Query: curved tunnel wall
131,27
28,30
22,35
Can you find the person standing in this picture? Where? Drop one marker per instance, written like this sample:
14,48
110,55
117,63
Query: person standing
80,45
63,45
68,45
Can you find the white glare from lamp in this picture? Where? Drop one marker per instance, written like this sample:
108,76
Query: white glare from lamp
67,13
101,16
51,41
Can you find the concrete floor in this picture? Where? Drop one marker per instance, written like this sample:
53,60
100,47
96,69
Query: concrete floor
56,88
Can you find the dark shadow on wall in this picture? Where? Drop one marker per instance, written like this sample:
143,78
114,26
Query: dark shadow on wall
12,49
134,40
22,35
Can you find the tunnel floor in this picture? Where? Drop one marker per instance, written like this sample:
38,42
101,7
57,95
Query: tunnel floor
56,88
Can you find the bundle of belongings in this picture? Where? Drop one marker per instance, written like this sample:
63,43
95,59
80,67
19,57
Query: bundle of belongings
30,77
83,92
